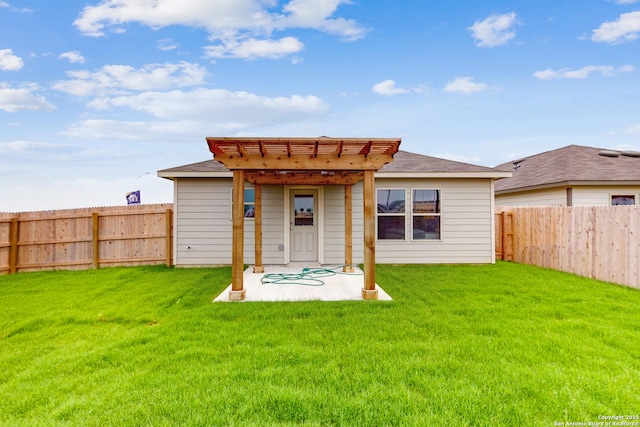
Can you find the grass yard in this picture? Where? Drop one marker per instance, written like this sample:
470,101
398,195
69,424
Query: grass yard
491,345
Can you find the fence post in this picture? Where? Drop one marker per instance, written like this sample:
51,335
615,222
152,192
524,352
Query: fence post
95,240
168,238
503,218
13,248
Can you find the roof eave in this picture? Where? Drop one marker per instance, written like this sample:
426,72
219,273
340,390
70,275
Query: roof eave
409,175
173,175
568,184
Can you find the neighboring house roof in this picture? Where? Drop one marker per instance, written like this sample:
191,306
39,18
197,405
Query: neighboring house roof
404,165
571,165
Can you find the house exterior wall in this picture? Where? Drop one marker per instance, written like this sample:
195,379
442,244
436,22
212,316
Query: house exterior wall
601,196
334,224
582,195
466,225
203,226
546,197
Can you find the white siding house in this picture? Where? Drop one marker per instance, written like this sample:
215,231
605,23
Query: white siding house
443,213
571,176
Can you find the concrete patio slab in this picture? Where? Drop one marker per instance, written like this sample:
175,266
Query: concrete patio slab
297,282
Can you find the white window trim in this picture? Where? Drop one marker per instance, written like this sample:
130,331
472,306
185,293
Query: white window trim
636,200
246,203
412,214
406,229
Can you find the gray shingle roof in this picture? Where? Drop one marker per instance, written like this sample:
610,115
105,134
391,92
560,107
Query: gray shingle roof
571,164
403,162
206,166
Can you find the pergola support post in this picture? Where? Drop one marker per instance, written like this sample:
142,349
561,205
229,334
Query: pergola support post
369,292
237,292
348,229
258,267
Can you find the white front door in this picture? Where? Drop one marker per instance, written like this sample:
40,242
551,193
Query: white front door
304,225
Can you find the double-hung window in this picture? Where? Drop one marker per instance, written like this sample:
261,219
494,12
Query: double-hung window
425,214
415,212
391,214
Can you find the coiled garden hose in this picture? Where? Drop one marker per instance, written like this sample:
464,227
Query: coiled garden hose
310,276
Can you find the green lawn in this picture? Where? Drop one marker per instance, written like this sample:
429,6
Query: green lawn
488,345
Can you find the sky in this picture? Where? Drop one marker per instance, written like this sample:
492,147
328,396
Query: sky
97,96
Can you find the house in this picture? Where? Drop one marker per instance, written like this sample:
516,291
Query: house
330,201
571,176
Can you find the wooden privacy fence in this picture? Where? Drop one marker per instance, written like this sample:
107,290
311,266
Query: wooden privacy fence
601,242
79,239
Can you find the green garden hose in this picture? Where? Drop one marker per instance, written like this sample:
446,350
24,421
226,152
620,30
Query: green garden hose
308,277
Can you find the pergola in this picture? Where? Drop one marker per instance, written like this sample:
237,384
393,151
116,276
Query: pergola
303,161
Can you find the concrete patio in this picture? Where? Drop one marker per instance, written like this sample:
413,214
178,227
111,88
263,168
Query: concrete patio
297,282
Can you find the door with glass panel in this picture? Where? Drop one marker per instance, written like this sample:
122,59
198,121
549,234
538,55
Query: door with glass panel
304,225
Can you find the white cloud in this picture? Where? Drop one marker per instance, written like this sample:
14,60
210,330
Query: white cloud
167,44
234,25
20,146
625,1
9,61
74,57
316,14
465,85
13,100
124,79
582,73
198,112
495,30
626,28
388,88
253,48
217,106
4,4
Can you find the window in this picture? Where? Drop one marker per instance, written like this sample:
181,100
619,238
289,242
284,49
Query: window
249,203
425,214
303,209
423,218
391,214
623,200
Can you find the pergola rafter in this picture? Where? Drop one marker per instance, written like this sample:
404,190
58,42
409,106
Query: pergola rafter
303,161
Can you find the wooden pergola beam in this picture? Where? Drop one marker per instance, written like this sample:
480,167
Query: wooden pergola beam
369,292
352,162
348,229
237,292
258,267
306,178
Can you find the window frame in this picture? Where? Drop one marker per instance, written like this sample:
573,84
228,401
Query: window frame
408,215
632,196
245,203
426,214
402,215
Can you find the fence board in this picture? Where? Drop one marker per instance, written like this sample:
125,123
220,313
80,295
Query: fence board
86,238
601,242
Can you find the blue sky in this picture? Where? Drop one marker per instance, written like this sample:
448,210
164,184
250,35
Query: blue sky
96,96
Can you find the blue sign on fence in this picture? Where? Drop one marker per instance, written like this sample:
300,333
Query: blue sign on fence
133,197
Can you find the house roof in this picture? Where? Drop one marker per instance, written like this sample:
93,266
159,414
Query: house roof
404,165
571,165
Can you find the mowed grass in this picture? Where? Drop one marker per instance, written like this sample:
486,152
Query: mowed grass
486,345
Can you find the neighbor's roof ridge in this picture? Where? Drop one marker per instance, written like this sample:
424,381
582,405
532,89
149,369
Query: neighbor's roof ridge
572,163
